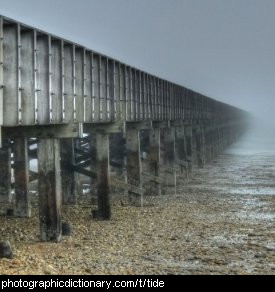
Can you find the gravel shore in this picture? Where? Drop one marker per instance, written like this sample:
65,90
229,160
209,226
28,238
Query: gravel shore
218,223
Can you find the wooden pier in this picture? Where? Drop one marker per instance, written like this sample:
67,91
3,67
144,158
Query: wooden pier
62,103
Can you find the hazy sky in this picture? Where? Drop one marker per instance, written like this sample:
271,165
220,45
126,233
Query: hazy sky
222,48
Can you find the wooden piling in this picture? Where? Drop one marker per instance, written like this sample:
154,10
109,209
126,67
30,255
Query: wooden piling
103,176
181,152
154,158
5,170
189,146
170,180
69,177
21,178
134,168
49,188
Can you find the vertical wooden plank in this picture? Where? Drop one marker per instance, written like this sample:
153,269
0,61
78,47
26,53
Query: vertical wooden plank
88,94
43,96
79,84
27,77
103,179
142,98
35,68
63,81
10,75
128,92
68,84
111,90
19,83
21,178
134,94
155,98
161,100
96,87
146,109
56,75
49,188
117,105
103,90
5,170
123,92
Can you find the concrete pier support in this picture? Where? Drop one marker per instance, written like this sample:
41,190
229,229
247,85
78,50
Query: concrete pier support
49,188
103,176
154,157
134,168
21,178
5,173
169,148
69,177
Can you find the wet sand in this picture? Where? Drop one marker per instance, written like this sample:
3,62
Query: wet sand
220,222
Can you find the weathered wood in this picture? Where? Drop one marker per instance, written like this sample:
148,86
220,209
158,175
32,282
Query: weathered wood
200,147
56,81
115,182
5,173
21,178
151,178
49,188
103,177
45,132
69,178
134,168
170,180
154,157
27,77
10,75
189,146
181,151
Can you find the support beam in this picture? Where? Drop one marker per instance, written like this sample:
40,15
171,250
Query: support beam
21,178
200,146
189,147
49,188
181,151
69,177
5,173
103,176
154,158
134,168
169,148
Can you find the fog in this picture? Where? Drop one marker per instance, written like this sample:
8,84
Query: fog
258,140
